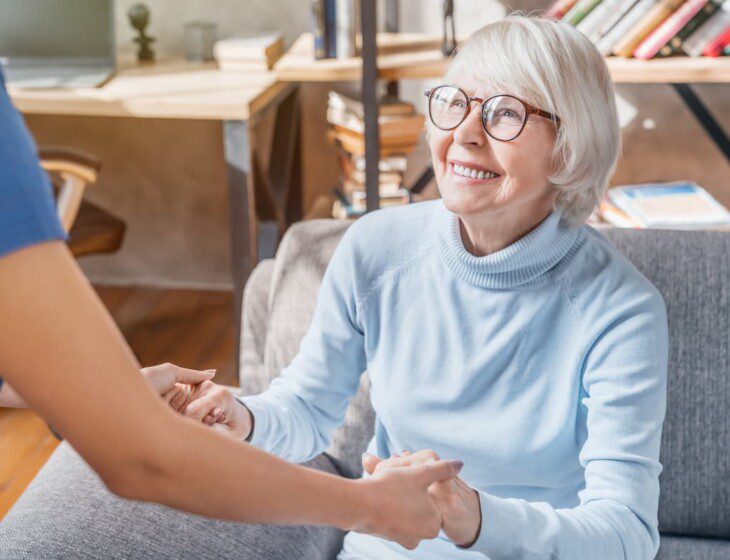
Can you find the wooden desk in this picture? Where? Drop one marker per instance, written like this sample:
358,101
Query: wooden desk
181,90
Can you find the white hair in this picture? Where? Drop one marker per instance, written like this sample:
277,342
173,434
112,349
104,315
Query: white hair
553,66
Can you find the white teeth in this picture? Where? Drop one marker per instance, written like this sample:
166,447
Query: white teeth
472,173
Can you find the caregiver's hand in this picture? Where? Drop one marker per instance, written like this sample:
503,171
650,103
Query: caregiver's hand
457,501
168,377
403,509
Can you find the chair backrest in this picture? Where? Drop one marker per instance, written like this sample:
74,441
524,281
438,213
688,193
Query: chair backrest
691,270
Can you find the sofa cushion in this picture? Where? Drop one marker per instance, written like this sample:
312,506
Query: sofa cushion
67,512
301,261
691,269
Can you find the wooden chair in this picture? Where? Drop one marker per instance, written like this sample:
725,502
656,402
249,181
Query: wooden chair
91,229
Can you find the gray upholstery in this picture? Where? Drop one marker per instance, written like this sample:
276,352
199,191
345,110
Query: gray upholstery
67,513
690,269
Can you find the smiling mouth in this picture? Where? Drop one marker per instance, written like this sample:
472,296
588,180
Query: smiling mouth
467,172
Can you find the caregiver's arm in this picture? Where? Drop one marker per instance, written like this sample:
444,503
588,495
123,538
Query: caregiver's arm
63,354
296,417
624,379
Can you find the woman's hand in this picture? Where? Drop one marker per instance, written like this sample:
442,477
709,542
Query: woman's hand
215,405
169,379
457,501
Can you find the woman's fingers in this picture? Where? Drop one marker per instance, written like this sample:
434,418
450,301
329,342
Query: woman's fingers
370,462
198,409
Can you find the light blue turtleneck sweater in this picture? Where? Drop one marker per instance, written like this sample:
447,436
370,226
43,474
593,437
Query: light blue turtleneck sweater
541,366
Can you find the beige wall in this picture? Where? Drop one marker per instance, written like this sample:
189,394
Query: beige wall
167,178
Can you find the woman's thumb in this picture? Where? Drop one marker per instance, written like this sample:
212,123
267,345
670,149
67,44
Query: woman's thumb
192,376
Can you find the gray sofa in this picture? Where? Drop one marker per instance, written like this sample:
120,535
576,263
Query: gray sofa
66,512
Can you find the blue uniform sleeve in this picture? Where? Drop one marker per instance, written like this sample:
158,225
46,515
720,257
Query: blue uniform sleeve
27,209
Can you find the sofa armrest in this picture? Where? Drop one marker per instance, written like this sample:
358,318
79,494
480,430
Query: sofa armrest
253,328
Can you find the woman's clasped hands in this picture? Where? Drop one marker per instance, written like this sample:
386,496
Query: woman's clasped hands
411,496
457,502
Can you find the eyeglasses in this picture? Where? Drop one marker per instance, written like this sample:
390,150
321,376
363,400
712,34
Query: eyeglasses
503,116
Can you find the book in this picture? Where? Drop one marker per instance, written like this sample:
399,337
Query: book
674,45
715,24
669,28
355,143
591,25
558,9
606,43
346,12
680,204
650,21
610,213
715,47
612,19
244,65
578,12
330,27
389,105
264,48
318,31
389,126
392,163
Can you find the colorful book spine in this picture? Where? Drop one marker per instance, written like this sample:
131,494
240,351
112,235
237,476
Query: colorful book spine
558,9
651,20
613,18
330,27
716,24
581,9
674,46
591,25
651,45
717,45
633,16
318,30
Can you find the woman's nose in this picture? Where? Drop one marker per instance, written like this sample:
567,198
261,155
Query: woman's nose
471,130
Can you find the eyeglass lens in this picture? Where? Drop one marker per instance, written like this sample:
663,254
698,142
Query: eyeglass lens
502,117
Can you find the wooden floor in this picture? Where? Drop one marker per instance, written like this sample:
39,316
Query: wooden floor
189,328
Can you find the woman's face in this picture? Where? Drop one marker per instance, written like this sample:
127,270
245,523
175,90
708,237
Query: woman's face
522,165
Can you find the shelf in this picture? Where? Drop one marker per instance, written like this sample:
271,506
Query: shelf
426,61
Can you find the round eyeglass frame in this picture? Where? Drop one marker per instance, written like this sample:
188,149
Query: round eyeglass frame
529,110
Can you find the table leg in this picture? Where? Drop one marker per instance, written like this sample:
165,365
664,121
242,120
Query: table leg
237,147
703,115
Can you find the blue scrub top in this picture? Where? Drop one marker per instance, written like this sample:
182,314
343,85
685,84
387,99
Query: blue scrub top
27,209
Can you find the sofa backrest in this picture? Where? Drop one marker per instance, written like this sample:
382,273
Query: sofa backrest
692,272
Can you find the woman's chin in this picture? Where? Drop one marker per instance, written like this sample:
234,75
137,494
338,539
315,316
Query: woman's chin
463,204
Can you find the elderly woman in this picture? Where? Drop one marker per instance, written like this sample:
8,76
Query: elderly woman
496,327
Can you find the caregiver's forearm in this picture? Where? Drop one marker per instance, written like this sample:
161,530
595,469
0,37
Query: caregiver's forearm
64,355
9,398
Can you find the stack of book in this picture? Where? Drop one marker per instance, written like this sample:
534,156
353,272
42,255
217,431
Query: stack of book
252,53
400,130
677,205
647,29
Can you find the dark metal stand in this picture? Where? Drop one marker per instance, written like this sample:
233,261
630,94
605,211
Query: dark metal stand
703,115
368,17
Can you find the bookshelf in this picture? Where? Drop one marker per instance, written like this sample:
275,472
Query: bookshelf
425,61
418,56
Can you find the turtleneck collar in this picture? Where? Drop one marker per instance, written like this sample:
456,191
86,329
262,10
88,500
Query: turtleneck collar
538,253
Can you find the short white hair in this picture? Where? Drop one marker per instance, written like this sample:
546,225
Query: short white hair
553,66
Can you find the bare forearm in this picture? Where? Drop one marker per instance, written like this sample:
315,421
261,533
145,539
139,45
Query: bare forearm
63,354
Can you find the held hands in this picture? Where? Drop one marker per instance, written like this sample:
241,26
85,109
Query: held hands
193,394
456,501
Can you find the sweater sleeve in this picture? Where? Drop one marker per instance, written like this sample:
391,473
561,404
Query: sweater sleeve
624,399
297,416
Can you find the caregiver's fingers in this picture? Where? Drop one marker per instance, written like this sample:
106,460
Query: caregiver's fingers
370,462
